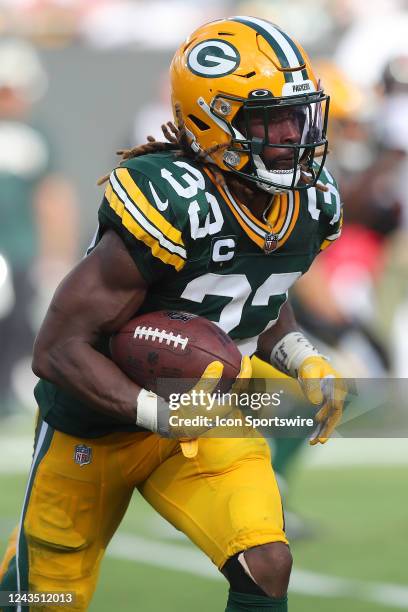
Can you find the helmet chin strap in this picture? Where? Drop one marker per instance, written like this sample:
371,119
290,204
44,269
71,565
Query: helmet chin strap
284,177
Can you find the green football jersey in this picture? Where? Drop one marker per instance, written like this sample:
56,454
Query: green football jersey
202,251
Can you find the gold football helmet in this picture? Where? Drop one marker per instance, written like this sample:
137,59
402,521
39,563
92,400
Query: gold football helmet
232,70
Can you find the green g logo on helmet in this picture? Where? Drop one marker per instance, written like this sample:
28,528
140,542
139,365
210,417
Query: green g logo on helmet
213,58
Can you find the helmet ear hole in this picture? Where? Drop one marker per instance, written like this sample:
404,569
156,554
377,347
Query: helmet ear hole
201,125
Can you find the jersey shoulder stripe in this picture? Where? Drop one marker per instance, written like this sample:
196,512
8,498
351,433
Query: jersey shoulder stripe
138,216
141,202
333,237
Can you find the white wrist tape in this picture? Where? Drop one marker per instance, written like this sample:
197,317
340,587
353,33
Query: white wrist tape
288,354
147,403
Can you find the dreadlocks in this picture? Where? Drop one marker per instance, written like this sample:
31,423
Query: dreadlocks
178,140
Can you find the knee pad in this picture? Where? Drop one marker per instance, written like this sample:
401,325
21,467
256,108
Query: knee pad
238,575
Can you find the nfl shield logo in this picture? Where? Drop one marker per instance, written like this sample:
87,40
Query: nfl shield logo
83,454
271,242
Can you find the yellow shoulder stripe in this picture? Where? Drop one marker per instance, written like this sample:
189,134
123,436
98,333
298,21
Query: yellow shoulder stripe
331,239
157,251
140,233
325,244
142,203
114,201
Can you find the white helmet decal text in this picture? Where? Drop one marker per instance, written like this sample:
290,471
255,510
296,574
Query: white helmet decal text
295,89
213,58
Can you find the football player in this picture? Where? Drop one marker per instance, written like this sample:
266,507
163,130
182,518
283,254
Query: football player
219,221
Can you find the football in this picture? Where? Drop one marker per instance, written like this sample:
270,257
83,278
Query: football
168,351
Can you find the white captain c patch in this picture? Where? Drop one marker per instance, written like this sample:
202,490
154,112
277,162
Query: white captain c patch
223,249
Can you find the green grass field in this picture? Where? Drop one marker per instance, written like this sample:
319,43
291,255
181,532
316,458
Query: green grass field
359,515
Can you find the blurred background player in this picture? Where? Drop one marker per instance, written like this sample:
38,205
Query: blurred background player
38,220
353,301
335,300
391,314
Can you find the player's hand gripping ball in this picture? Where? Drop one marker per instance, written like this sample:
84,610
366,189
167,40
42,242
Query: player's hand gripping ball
172,353
169,350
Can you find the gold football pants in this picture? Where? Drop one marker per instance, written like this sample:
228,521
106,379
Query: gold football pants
225,500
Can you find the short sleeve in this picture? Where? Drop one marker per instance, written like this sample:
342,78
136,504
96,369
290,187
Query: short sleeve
151,236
